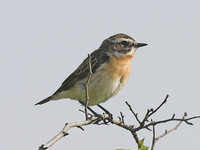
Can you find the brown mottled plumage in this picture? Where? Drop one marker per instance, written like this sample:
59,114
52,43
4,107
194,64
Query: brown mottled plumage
110,66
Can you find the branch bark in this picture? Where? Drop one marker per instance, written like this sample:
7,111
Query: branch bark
67,126
106,118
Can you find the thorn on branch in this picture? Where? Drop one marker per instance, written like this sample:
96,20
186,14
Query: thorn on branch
80,128
65,133
185,114
122,117
148,128
42,147
189,123
119,119
151,110
173,116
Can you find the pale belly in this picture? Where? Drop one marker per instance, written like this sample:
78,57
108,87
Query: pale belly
102,86
105,83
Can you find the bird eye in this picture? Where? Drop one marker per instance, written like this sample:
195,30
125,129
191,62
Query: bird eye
125,43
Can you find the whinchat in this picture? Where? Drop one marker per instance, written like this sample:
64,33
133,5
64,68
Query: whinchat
110,65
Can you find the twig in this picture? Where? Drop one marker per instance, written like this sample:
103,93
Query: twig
170,130
153,111
86,87
135,114
153,138
169,120
145,117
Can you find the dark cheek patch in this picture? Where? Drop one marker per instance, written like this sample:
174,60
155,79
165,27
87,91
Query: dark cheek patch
117,47
125,50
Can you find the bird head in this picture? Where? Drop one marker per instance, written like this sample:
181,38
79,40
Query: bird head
121,45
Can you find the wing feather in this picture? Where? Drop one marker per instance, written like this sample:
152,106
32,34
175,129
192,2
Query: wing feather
98,57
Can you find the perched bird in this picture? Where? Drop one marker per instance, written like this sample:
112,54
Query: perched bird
110,65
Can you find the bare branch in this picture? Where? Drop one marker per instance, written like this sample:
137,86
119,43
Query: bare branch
169,120
86,87
170,130
153,111
119,122
145,118
135,114
153,138
67,126
107,118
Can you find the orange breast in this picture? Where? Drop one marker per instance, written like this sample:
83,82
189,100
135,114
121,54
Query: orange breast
119,67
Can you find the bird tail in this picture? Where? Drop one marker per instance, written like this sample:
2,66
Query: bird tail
44,101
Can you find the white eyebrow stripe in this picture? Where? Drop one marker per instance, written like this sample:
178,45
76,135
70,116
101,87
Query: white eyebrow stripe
118,40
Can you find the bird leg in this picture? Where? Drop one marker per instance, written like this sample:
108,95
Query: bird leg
107,112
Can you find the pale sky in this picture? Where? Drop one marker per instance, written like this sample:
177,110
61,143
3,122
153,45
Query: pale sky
43,41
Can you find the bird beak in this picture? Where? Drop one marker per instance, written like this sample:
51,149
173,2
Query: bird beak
140,45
